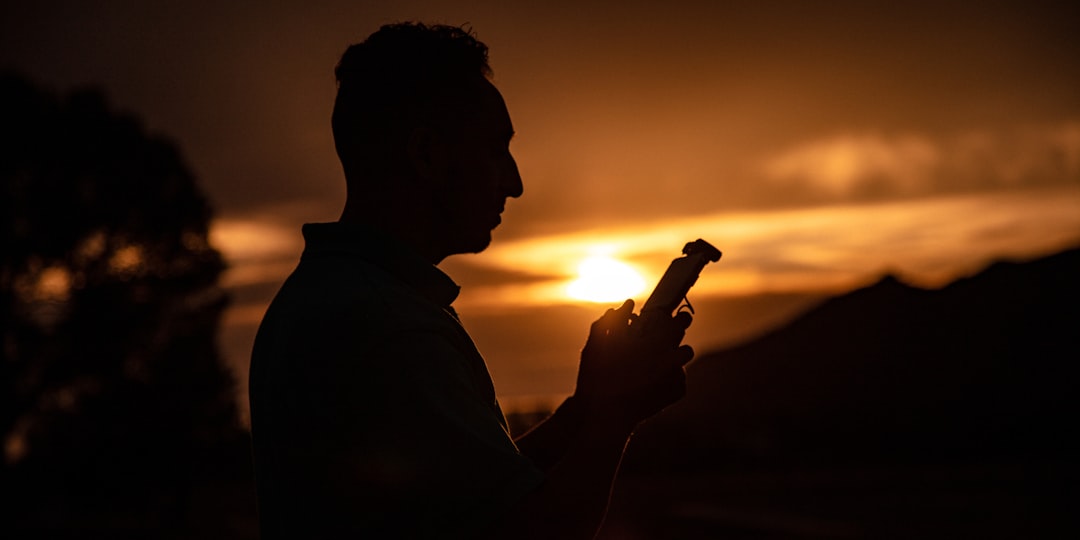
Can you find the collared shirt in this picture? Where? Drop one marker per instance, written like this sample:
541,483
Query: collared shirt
372,411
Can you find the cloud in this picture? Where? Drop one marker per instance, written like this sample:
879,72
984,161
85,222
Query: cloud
841,164
1019,158
879,166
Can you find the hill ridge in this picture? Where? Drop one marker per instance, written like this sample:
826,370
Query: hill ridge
985,365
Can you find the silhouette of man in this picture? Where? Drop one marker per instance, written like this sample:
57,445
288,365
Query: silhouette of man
372,412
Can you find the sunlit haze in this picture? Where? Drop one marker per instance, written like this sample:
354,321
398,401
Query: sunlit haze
927,242
604,279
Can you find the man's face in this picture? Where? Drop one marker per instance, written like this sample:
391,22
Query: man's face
481,174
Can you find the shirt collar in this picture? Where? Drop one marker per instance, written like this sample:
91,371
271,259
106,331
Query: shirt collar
382,250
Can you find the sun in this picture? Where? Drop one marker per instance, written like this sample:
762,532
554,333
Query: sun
604,279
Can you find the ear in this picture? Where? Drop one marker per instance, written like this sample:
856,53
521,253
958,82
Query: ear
427,154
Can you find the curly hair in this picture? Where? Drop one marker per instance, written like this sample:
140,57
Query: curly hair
400,76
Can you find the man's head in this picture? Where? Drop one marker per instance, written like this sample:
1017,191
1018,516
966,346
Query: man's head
416,117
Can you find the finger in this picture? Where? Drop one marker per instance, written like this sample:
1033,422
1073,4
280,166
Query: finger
612,322
682,355
668,332
621,317
600,323
683,319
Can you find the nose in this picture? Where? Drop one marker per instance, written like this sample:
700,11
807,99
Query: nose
512,185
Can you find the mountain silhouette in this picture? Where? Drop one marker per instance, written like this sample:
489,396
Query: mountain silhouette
984,368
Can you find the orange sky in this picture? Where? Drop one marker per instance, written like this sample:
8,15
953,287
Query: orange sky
817,144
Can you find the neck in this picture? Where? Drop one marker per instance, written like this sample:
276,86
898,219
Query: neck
407,225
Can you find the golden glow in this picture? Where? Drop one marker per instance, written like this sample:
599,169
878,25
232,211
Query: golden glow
127,260
50,284
258,251
604,279
928,242
53,285
92,246
251,239
15,445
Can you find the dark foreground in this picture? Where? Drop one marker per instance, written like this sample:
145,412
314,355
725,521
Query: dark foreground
1034,500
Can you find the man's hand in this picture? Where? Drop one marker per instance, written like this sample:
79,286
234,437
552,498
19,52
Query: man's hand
631,371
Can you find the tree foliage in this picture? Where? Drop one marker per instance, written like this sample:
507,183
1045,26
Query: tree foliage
112,385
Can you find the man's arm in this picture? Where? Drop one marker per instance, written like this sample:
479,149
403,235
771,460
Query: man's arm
625,377
547,442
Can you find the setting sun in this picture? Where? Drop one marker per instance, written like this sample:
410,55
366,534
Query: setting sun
603,279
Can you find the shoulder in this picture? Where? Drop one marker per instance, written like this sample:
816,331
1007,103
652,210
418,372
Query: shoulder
326,290
347,307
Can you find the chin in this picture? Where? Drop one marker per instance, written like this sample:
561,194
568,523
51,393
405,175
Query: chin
474,244
480,244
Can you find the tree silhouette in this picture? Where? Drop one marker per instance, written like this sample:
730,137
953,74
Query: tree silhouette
112,387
